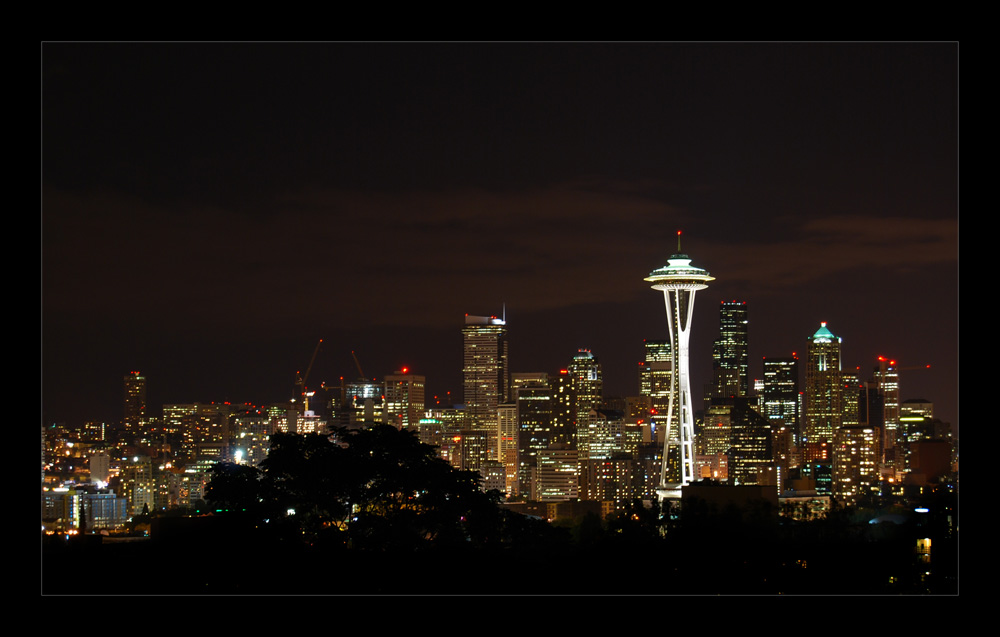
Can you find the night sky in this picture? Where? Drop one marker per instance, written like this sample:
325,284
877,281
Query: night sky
209,211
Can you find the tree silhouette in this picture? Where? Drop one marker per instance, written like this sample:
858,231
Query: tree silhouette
377,488
234,487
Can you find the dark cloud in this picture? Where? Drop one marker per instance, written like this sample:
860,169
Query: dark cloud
237,202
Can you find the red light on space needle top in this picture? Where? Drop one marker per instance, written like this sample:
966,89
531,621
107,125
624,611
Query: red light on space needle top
406,369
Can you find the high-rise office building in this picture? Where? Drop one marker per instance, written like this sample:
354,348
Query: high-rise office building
508,450
587,384
135,402
871,405
472,449
562,411
404,399
440,423
851,409
485,372
656,380
751,451
558,477
601,435
363,405
716,435
916,407
780,404
887,381
533,396
252,431
679,280
729,356
781,393
856,454
137,484
824,387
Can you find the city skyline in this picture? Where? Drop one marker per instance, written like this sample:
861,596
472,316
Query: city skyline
210,211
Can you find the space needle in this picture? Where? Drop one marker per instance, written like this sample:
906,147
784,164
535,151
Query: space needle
679,281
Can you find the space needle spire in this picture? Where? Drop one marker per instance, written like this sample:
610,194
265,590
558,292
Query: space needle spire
679,280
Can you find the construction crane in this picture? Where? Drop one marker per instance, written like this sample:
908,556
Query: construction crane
884,363
361,373
300,380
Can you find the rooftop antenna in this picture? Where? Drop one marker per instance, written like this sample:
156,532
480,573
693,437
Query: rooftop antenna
678,241
505,312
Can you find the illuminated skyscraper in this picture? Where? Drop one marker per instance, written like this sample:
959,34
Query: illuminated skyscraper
679,281
562,414
138,485
656,378
887,381
471,449
780,400
558,475
587,384
856,454
851,399
135,402
752,445
486,372
824,387
404,399
781,393
508,450
533,396
364,404
729,357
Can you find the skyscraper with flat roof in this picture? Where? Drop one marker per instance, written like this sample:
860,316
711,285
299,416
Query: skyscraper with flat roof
656,379
135,402
887,381
781,392
729,356
856,456
404,399
587,384
752,448
486,374
533,396
780,400
508,449
562,413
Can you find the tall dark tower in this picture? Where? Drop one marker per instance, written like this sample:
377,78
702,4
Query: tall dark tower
729,357
562,410
533,396
135,402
